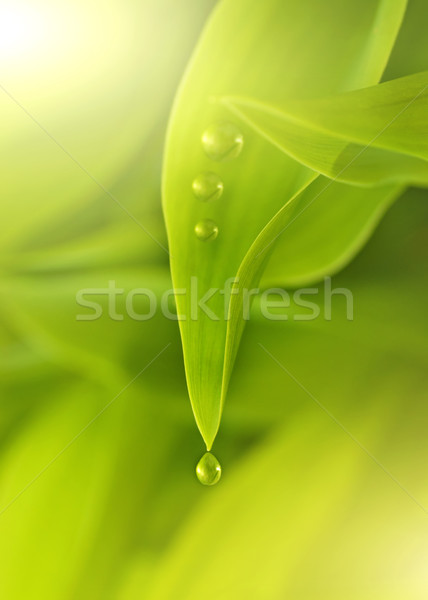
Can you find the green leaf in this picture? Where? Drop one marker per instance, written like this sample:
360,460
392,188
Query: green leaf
269,50
368,137
326,232
410,52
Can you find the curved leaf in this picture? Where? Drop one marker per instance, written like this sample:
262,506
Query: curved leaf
268,49
327,232
410,52
374,136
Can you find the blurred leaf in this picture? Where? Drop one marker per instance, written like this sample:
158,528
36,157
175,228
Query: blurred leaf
272,52
295,507
72,117
45,318
76,495
410,52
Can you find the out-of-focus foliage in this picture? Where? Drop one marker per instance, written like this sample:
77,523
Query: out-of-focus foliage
120,515
106,506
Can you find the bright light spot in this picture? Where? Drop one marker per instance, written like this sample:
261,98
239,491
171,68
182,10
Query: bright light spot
22,29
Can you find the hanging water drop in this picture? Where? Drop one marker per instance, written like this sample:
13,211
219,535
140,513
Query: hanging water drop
222,141
206,230
207,186
208,469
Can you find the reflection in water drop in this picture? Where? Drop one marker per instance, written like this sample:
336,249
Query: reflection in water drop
222,141
206,230
207,186
208,469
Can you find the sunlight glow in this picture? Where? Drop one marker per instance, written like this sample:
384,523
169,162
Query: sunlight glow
22,29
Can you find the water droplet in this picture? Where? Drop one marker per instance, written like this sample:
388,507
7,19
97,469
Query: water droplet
222,141
208,469
206,230
207,186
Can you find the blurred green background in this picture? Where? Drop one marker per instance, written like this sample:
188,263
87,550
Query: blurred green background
324,492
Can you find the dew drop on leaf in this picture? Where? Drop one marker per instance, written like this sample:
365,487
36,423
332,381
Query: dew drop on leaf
222,141
207,186
208,469
206,230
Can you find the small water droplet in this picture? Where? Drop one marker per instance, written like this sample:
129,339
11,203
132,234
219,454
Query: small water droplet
222,141
206,230
208,469
207,186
